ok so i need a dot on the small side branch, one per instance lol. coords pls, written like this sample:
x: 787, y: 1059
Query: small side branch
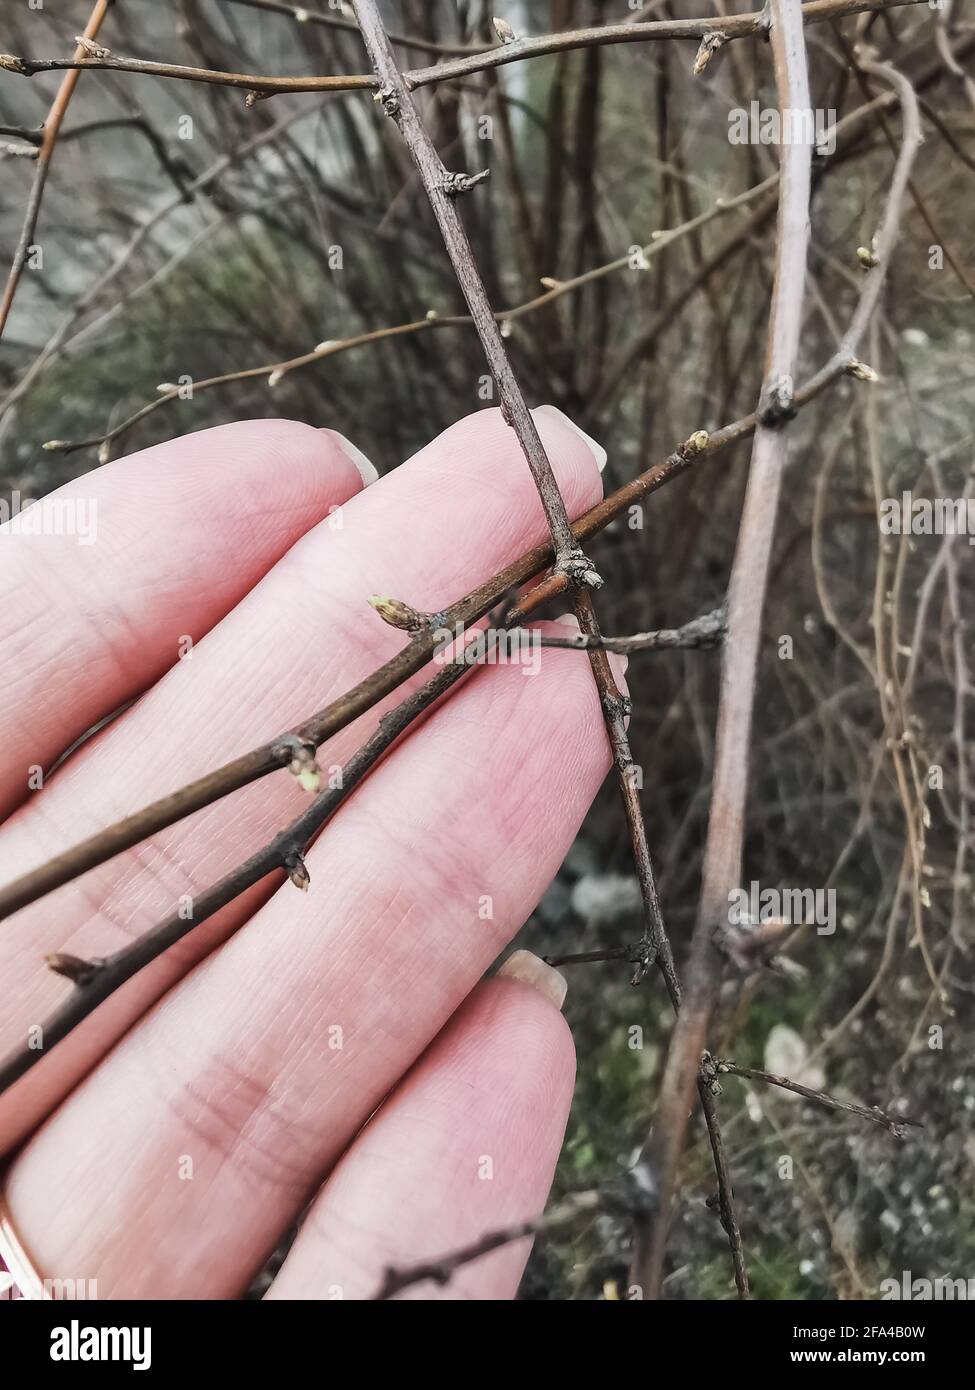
x: 896, y: 1125
x: 45, y: 152
x: 442, y: 1268
x: 703, y: 633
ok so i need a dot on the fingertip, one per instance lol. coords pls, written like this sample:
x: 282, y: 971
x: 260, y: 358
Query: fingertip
x: 531, y: 970
x: 364, y: 466
x: 552, y: 412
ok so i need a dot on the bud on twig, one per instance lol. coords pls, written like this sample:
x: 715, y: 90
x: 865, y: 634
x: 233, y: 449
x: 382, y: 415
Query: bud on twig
x: 297, y: 871
x: 397, y: 614
x: 709, y: 46
x: 305, y: 769
x: 861, y: 371
x: 694, y: 444
x: 94, y: 50
x: 73, y: 968
x: 503, y: 30
x: 455, y: 184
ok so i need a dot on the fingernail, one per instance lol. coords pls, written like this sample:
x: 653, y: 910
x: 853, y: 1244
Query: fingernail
x: 618, y: 663
x: 567, y: 620
x: 367, y: 470
x: 597, y: 450
x: 530, y: 970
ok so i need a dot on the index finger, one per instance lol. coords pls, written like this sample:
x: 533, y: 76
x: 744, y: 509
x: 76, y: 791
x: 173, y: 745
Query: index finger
x: 106, y: 575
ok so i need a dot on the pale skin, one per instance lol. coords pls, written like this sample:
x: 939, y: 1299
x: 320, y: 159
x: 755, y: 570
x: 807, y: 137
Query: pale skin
x: 165, y: 1146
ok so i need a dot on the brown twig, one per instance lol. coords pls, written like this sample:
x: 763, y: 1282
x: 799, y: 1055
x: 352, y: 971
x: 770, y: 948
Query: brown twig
x: 272, y: 756
x: 45, y: 153
x: 731, y: 26
x: 687, y: 1043
x: 893, y: 1124
x: 441, y: 1269
x: 441, y: 189
x: 746, y: 594
x: 96, y: 980
x: 707, y: 631
x: 302, y: 15
x: 276, y: 371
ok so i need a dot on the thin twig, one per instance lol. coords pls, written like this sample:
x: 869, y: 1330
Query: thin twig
x: 704, y: 632
x: 746, y: 595
x: 441, y: 1269
x: 731, y: 26
x: 96, y: 980
x: 301, y: 15
x: 894, y: 1124
x: 272, y: 756
x: 441, y: 189
x: 45, y: 153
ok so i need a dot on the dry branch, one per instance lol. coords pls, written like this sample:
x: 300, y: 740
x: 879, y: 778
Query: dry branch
x: 746, y: 595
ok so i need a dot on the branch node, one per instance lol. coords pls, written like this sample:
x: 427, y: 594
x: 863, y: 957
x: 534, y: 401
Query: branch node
x: 79, y: 972
x: 456, y: 184
x: 578, y: 569
x: 860, y: 371
x: 777, y: 403
x: 643, y: 955
x: 709, y: 46
x: 709, y: 1073
x: 299, y: 756
x: 297, y: 870
x: 387, y: 98
x: 11, y: 64
x: 695, y: 444
x: 399, y: 614
x: 617, y: 706
x: 503, y: 30
x: 93, y: 49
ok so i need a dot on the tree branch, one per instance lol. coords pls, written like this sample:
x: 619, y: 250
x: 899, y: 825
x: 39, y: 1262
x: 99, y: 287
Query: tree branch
x: 570, y: 562
x: 731, y: 26
x: 746, y: 596
x: 893, y: 1124
x: 45, y: 153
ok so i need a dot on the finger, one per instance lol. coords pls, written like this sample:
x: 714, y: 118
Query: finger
x: 104, y: 577
x: 465, y: 1146
x: 428, y: 532
x: 258, y: 1070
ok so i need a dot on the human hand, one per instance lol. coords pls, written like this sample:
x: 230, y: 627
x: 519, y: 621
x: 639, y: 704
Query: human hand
x: 185, y: 1126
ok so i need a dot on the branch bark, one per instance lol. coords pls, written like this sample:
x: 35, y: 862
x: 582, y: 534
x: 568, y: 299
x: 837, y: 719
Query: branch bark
x: 45, y: 153
x: 731, y: 27
x: 746, y: 596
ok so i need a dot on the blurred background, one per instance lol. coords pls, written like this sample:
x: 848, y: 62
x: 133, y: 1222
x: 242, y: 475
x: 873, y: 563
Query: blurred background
x: 186, y: 236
